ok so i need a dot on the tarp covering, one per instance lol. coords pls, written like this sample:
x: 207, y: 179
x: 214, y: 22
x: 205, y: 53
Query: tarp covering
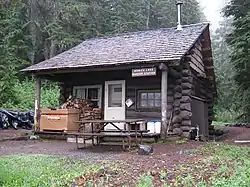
x: 16, y: 119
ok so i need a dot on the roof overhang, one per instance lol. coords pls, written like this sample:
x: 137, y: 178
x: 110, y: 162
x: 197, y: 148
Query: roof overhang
x: 104, y: 67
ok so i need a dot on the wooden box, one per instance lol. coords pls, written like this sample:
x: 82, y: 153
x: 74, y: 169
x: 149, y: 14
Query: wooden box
x: 59, y: 119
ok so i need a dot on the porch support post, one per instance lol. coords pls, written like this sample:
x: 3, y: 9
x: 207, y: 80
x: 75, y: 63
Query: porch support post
x: 37, y: 104
x: 164, y: 100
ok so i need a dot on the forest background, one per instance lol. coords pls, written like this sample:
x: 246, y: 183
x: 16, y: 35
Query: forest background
x: 34, y: 30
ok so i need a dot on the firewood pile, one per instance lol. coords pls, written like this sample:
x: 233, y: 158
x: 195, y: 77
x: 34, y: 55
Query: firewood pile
x: 86, y: 109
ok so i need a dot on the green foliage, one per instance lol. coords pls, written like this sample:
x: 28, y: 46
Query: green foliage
x: 39, y: 171
x: 239, y: 42
x: 145, y: 180
x: 224, y: 165
x: 228, y: 106
x: 32, y: 31
x: 13, y: 48
x: 24, y: 92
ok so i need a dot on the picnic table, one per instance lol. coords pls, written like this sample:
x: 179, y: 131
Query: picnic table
x: 99, y: 131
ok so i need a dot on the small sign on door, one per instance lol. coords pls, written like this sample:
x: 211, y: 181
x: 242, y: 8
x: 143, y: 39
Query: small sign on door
x: 143, y: 72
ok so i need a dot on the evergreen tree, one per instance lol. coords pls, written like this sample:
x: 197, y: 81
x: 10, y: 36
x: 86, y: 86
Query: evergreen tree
x: 239, y: 42
x: 34, y: 30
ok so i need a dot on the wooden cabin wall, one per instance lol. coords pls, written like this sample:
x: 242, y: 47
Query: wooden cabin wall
x: 147, y: 83
x: 133, y: 85
x: 196, y: 58
x: 194, y: 82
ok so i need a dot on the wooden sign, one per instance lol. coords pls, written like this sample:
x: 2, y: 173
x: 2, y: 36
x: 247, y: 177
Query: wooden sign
x: 143, y: 72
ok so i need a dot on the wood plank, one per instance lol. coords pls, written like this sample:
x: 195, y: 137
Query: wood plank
x: 164, y: 102
x: 112, y: 121
x: 196, y: 65
x: 37, y: 104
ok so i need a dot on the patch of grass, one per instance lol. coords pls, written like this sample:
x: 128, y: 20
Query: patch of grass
x: 219, y: 123
x: 181, y: 141
x: 224, y: 165
x: 145, y: 180
x: 40, y: 170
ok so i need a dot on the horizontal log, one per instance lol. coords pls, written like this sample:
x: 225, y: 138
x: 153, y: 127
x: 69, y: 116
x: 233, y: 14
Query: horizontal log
x: 186, y: 99
x: 177, y: 89
x: 186, y: 115
x: 177, y: 103
x: 177, y: 131
x: 186, y: 65
x: 186, y: 123
x: 176, y: 125
x: 186, y: 73
x: 177, y: 95
x: 174, y: 73
x: 185, y: 128
x: 186, y: 92
x: 186, y: 86
x: 185, y: 106
x: 177, y: 111
x: 177, y: 119
x: 187, y: 79
x: 178, y: 81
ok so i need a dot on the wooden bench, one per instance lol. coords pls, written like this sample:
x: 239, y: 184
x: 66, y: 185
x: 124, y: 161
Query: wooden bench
x: 110, y: 133
x: 100, y: 132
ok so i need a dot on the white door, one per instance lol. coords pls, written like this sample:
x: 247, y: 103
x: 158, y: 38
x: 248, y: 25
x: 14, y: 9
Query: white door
x: 114, y: 108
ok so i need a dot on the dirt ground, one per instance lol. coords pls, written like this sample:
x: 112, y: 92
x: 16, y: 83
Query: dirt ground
x: 165, y: 156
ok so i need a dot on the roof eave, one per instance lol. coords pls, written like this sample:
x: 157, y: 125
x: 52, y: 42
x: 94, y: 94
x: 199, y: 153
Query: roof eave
x: 173, y: 60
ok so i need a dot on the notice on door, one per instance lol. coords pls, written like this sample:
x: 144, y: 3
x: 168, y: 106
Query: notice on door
x: 143, y: 72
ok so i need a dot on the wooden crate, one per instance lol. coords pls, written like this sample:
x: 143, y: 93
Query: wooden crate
x: 59, y: 119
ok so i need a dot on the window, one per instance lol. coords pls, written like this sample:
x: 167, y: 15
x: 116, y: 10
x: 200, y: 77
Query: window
x: 115, y: 95
x: 92, y: 93
x: 149, y: 99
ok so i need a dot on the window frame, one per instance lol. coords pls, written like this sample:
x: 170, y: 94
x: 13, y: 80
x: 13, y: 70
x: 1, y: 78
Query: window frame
x: 138, y: 103
x: 99, y: 86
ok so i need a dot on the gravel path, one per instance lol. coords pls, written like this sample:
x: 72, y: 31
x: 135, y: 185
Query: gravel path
x: 59, y: 148
x: 100, y: 153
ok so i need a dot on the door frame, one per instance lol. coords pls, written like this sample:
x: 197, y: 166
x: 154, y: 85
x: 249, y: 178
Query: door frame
x: 123, y: 82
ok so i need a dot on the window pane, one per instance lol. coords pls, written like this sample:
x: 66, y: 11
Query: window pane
x: 93, y: 93
x: 150, y: 95
x: 143, y: 103
x: 149, y: 99
x: 157, y: 103
x: 157, y: 95
x: 115, y: 95
x: 151, y: 103
x: 144, y: 95
x: 80, y: 93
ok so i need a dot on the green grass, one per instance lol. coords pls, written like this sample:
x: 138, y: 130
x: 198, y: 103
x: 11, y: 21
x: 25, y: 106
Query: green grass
x: 40, y: 171
x: 219, y: 123
x: 145, y: 180
x: 224, y: 165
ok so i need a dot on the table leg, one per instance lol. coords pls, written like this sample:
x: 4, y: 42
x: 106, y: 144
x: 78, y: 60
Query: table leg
x: 129, y: 143
x: 77, y: 146
x: 141, y: 138
x: 92, y: 130
x: 123, y: 142
x: 136, y: 140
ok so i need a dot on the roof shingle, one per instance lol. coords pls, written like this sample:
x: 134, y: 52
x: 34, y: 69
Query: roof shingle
x: 143, y: 46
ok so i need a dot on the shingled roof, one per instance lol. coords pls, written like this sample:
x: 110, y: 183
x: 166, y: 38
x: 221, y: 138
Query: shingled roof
x: 144, y: 46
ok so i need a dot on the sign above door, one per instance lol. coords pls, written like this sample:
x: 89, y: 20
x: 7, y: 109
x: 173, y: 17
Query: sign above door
x: 143, y: 72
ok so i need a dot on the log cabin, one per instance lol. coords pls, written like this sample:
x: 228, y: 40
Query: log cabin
x: 165, y: 76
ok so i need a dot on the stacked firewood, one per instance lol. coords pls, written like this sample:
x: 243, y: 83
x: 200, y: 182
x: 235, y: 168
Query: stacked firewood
x: 85, y: 107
